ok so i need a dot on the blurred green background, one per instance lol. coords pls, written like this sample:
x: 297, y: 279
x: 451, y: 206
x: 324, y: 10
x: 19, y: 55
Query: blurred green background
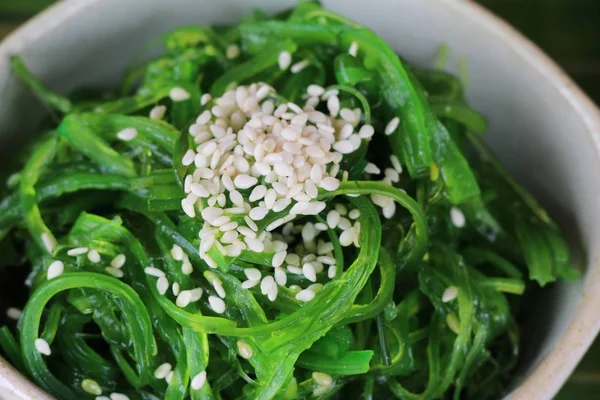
x: 567, y: 30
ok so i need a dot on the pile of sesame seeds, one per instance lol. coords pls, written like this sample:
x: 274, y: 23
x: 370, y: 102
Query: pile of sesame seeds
x: 251, y: 158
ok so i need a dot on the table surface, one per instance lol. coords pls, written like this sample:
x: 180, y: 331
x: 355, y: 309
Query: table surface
x: 567, y: 30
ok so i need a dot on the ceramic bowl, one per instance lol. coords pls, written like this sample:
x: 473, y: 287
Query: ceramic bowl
x: 543, y: 128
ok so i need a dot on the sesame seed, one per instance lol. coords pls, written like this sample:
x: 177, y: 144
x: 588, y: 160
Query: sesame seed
x: 392, y: 126
x: 179, y: 94
x: 389, y: 210
x: 13, y: 313
x: 366, y: 132
x: 280, y: 276
x: 42, y: 347
x: 183, y: 299
x: 266, y: 284
x: 392, y: 175
x: 244, y: 349
x: 55, y: 269
x: 188, y: 157
x: 232, y: 51
x: 152, y: 271
x: 249, y: 284
x: 333, y: 218
x: 175, y: 288
x: 278, y: 258
x: 396, y: 163
x: 169, y: 376
x: 77, y: 251
x: 162, y: 371
x: 299, y: 66
x: 457, y: 217
x: 162, y: 284
x: 348, y: 115
x: 325, y: 247
x: 353, y: 50
x: 244, y: 181
x: 343, y: 146
x: 372, y: 169
x: 252, y: 273
x: 127, y: 134
x: 321, y: 378
x: 196, y: 294
x: 216, y: 304
x: 204, y: 99
x: 177, y: 252
x: 118, y: 261
x: 333, y: 105
x: 308, y: 270
x: 305, y: 295
x: 331, y: 272
x: 330, y: 184
x: 93, y: 256
x: 284, y: 60
x: 354, y: 214
x: 347, y: 237
x: 158, y: 112
x: 258, y: 213
x: 121, y: 396
x: 91, y: 386
x: 48, y: 240
x: 116, y: 272
x: 450, y: 294
x: 199, y: 380
x: 315, y: 90
x: 188, y: 209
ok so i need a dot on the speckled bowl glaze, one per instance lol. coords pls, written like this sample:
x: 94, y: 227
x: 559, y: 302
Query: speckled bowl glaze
x: 544, y: 129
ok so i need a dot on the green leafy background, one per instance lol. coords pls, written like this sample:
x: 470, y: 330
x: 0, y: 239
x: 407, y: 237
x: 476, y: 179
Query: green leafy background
x: 568, y: 30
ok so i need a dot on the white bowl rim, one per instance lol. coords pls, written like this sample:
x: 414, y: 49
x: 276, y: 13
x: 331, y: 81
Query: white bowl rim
x: 551, y: 373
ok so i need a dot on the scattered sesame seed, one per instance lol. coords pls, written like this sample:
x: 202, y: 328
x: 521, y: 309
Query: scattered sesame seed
x: 199, y: 380
x: 392, y: 126
x: 347, y: 237
x: 13, y: 313
x: 177, y: 252
x: 179, y: 94
x: 308, y: 270
x: 162, y: 284
x: 284, y: 60
x: 266, y: 284
x: 450, y: 294
x: 457, y: 217
x: 299, y: 66
x: 320, y: 378
x: 305, y: 295
x: 118, y: 261
x: 175, y: 288
x: 116, y: 272
x: 152, y: 271
x: 77, y: 251
x: 353, y: 50
x: 216, y: 304
x: 162, y: 371
x: 183, y: 299
x: 158, y: 112
x: 121, y: 396
x: 396, y: 163
x: 42, y: 347
x: 93, y: 256
x: 244, y: 349
x: 127, y: 134
x: 389, y: 210
x: 232, y: 51
x: 55, y: 269
x: 169, y: 376
x: 91, y: 386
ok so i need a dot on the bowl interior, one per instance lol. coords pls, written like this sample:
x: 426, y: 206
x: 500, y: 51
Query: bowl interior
x: 536, y: 123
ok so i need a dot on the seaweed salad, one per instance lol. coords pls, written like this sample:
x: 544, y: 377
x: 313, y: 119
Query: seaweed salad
x: 279, y: 209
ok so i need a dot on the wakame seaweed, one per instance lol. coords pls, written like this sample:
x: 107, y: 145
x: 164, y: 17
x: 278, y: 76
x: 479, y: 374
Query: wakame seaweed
x: 280, y: 209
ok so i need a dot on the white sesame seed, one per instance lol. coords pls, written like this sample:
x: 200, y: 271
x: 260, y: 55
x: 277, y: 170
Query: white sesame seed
x: 347, y: 237
x: 199, y: 380
x: 305, y: 295
x: 366, y: 132
x: 175, y: 288
x: 344, y: 146
x: 152, y: 271
x: 353, y: 50
x: 457, y: 217
x: 249, y: 284
x: 244, y: 349
x: 280, y: 276
x: 55, y: 269
x: 278, y: 258
x: 93, y: 256
x: 196, y: 294
x: 219, y: 289
x: 244, y: 181
x: 188, y: 157
x: 252, y: 273
x: 372, y: 169
x: 251, y: 224
x: 258, y: 213
x: 389, y: 210
x: 188, y: 209
x: 330, y: 184
x: 348, y: 115
x: 333, y: 105
x: 179, y: 94
x: 187, y: 268
x: 205, y: 98
x: 13, y: 313
x: 299, y: 66
x: 116, y: 272
x: 450, y: 294
x: 183, y: 299
x: 392, y: 175
x: 216, y: 304
x: 266, y: 284
x: 102, y: 398
x: 308, y: 270
x: 333, y: 218
x: 48, y: 240
x: 127, y: 134
x: 118, y: 261
x: 325, y: 248
x: 121, y: 396
x: 396, y: 163
x: 281, y: 204
x: 284, y: 60
x: 77, y: 251
x: 392, y: 126
x: 158, y: 112
x: 320, y: 378
x: 177, y: 252
x: 162, y: 284
x: 169, y: 376
x: 331, y: 271
x: 162, y: 371
x: 232, y: 51
x: 315, y: 90
x: 42, y: 347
